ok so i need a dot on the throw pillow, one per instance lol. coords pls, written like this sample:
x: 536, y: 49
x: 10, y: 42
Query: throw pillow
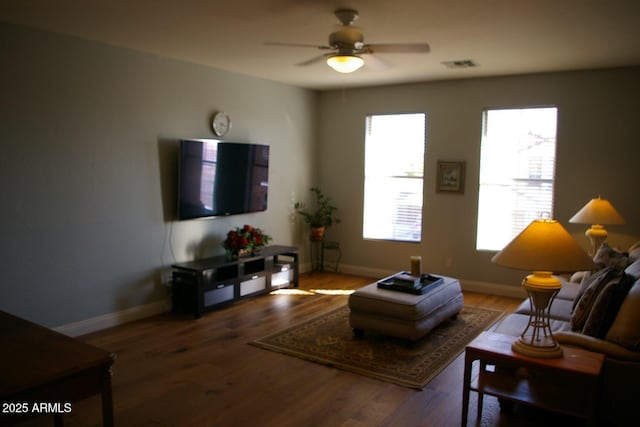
x: 606, y: 306
x: 634, y: 269
x: 587, y: 281
x: 606, y: 256
x: 634, y: 251
x: 625, y: 330
x: 579, y: 276
x: 583, y: 306
x: 584, y: 283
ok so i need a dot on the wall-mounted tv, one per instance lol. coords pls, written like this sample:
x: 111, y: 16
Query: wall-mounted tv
x: 221, y: 178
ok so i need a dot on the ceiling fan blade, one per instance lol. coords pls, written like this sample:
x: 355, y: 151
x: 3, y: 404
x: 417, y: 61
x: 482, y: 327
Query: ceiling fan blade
x: 312, y: 60
x: 375, y: 62
x: 398, y: 48
x: 296, y: 45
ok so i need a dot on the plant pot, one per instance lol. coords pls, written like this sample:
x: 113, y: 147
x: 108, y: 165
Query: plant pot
x: 232, y: 254
x: 317, y: 234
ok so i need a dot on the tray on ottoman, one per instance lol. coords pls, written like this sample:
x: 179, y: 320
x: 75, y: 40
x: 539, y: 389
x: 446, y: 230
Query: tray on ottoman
x: 427, y: 283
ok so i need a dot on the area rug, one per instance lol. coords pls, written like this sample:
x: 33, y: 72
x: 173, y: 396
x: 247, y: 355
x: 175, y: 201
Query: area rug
x: 328, y: 340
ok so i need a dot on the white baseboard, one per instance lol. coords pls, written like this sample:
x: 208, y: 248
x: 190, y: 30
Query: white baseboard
x: 109, y: 320
x: 467, y: 285
x: 493, y: 289
x: 365, y: 271
x: 304, y: 267
x: 114, y: 319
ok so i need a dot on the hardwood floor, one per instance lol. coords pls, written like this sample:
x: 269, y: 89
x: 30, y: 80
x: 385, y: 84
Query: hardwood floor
x: 173, y: 370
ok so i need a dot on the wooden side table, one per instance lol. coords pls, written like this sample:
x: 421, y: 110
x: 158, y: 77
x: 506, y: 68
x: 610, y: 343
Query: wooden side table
x: 44, y: 372
x: 567, y: 385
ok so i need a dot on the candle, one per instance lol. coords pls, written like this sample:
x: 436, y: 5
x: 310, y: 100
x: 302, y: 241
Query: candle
x: 416, y: 267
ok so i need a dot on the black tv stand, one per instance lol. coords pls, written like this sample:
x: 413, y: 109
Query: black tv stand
x: 204, y: 285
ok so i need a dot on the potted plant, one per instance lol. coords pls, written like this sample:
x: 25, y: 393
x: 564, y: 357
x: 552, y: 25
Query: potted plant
x: 323, y: 216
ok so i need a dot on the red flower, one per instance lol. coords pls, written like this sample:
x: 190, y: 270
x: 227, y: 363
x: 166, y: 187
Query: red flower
x: 247, y: 237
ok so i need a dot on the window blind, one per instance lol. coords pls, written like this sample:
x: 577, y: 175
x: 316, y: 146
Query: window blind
x: 517, y: 172
x: 394, y: 170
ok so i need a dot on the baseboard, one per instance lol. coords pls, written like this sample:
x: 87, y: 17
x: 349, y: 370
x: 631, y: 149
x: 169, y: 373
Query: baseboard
x: 304, y: 267
x: 109, y: 320
x: 493, y: 289
x: 140, y: 312
x: 114, y: 319
x: 467, y: 285
x: 357, y: 270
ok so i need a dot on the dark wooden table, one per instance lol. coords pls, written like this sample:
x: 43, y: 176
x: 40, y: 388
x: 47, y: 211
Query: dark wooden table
x: 567, y: 384
x: 44, y: 372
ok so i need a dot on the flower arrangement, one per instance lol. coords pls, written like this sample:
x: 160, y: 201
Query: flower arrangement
x: 246, y: 239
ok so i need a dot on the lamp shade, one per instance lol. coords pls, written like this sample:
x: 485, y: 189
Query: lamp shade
x: 545, y: 245
x: 345, y: 63
x: 597, y: 211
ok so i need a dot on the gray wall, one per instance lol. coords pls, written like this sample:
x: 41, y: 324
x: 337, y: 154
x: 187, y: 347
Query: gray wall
x: 89, y: 138
x: 598, y: 152
x: 88, y: 164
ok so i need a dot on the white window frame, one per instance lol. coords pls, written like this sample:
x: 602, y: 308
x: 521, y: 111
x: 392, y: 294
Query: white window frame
x: 517, y: 172
x: 394, y: 176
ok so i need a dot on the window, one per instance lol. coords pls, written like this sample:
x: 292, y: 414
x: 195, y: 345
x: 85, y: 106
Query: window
x: 517, y: 169
x: 394, y: 170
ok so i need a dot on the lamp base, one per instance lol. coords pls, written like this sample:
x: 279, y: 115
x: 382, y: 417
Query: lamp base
x: 596, y: 235
x: 522, y: 347
x: 537, y: 338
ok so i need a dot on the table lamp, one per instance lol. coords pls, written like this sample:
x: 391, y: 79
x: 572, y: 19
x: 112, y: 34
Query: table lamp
x: 544, y: 247
x: 597, y: 212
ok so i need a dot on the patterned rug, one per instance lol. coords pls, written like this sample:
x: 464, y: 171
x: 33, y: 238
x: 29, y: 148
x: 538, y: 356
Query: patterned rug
x: 328, y: 340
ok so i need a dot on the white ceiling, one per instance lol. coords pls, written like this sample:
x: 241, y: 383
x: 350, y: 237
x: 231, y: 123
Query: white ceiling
x: 502, y: 36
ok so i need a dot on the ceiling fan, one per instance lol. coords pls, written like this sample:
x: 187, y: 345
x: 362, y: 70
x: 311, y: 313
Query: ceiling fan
x: 347, y: 46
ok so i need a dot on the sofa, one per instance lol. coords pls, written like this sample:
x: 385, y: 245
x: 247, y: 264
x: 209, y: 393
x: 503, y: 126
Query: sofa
x: 600, y: 311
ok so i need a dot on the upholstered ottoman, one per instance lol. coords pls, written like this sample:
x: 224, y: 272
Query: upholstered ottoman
x: 401, y: 314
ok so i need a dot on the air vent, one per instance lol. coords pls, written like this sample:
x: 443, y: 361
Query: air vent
x: 461, y: 63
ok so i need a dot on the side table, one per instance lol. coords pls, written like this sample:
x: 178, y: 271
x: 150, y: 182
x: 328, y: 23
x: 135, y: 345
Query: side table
x: 567, y: 385
x: 39, y: 367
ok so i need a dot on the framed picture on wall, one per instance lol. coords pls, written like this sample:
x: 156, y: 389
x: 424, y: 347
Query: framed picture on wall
x: 450, y: 177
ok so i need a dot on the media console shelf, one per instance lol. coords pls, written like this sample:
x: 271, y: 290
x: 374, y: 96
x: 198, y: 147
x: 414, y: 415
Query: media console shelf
x: 203, y: 285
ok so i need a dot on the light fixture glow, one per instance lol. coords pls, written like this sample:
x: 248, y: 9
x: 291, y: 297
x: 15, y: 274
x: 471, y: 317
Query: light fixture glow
x: 345, y: 63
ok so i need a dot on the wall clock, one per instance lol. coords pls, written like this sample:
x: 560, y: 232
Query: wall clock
x: 221, y: 123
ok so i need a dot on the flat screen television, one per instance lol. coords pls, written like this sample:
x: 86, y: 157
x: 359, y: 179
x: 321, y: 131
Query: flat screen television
x: 221, y: 178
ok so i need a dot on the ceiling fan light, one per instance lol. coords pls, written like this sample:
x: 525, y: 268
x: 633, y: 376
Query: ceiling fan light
x: 345, y: 63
